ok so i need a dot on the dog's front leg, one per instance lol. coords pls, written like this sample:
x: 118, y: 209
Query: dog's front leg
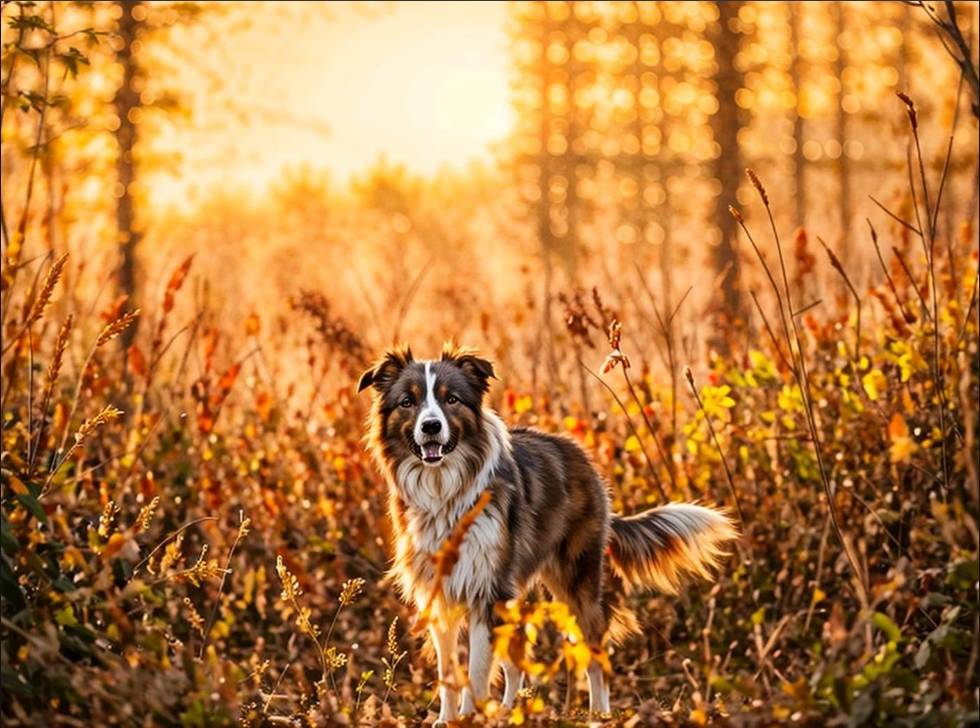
x: 444, y: 641
x: 481, y: 658
x: 514, y: 680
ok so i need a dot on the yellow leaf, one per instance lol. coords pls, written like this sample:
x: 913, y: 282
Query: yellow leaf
x: 632, y: 444
x: 874, y: 382
x: 531, y: 632
x: 902, y: 444
x: 523, y: 404
x: 577, y: 657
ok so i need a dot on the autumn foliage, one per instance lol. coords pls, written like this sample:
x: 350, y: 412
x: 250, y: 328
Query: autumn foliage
x: 193, y: 533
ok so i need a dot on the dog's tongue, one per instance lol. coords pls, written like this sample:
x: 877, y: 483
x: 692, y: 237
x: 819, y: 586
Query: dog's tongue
x: 432, y: 451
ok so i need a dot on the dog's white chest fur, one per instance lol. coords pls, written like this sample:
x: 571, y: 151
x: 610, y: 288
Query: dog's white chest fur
x: 435, y: 501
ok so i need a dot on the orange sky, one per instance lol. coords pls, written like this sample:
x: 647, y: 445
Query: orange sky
x: 335, y: 87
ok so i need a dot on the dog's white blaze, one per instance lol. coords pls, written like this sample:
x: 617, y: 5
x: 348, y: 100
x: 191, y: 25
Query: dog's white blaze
x: 431, y: 411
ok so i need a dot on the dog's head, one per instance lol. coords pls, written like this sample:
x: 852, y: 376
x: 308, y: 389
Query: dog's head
x: 423, y: 409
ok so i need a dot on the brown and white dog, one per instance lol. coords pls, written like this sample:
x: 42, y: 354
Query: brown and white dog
x: 547, y: 521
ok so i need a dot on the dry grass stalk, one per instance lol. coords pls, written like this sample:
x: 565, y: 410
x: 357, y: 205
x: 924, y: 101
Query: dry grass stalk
x: 47, y: 288
x: 803, y: 382
x: 633, y: 430
x: 908, y: 316
x: 89, y: 426
x: 839, y: 267
x: 40, y: 302
x: 54, y: 369
x: 721, y: 453
x: 929, y: 246
x: 146, y: 514
x: 116, y: 327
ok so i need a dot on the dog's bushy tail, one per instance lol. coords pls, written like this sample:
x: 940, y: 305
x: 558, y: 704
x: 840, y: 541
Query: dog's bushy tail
x: 657, y: 547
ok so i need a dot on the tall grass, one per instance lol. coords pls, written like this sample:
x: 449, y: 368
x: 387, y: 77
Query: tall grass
x: 181, y: 518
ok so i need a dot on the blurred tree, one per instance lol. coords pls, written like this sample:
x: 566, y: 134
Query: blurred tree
x: 842, y: 166
x: 799, y: 163
x: 127, y: 104
x: 728, y: 166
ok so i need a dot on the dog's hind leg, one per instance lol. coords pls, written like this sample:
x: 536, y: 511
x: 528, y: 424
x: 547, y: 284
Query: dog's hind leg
x: 577, y: 580
x: 481, y: 659
x: 513, y: 682
x: 444, y: 640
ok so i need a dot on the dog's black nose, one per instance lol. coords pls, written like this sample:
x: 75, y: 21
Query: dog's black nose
x: 431, y: 427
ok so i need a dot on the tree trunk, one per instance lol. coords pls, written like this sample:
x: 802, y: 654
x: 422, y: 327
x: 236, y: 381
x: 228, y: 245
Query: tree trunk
x: 126, y: 100
x: 799, y: 163
x: 728, y: 166
x: 840, y: 131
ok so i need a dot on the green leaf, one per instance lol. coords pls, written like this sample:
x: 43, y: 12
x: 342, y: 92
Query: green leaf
x: 13, y: 597
x: 8, y: 541
x: 66, y: 617
x: 886, y: 625
x: 33, y: 505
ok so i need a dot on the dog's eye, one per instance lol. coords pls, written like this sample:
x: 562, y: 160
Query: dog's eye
x: 407, y: 402
x: 452, y: 399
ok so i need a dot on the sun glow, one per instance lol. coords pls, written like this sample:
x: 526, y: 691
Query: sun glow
x: 423, y: 84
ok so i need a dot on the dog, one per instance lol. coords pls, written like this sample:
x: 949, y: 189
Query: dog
x: 548, y: 521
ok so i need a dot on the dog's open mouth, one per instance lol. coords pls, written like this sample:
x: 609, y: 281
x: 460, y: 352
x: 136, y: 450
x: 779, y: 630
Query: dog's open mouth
x: 432, y: 452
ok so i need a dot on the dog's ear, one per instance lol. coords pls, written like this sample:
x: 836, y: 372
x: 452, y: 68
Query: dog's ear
x: 386, y: 369
x: 475, y: 366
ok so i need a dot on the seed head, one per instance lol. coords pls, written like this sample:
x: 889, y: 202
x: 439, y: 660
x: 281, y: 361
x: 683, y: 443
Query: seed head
x: 106, y: 519
x: 290, y: 586
x: 47, y: 288
x: 146, y: 514
x: 350, y: 591
x: 114, y: 328
x: 754, y: 178
x: 910, y: 109
x: 54, y: 368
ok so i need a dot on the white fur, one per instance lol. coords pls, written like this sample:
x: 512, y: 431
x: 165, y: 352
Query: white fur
x: 514, y: 680
x: 431, y: 411
x: 435, y: 499
x: 481, y: 662
x: 690, y: 520
x: 444, y: 641
x: 598, y: 693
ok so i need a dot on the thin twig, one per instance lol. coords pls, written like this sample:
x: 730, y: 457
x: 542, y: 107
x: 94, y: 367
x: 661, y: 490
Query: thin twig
x: 895, y: 217
x: 721, y: 452
x: 839, y: 267
x: 242, y: 532
x: 909, y: 318
x: 629, y: 423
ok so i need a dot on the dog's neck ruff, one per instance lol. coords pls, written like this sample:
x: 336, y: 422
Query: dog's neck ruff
x: 448, y: 491
x: 435, y: 499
